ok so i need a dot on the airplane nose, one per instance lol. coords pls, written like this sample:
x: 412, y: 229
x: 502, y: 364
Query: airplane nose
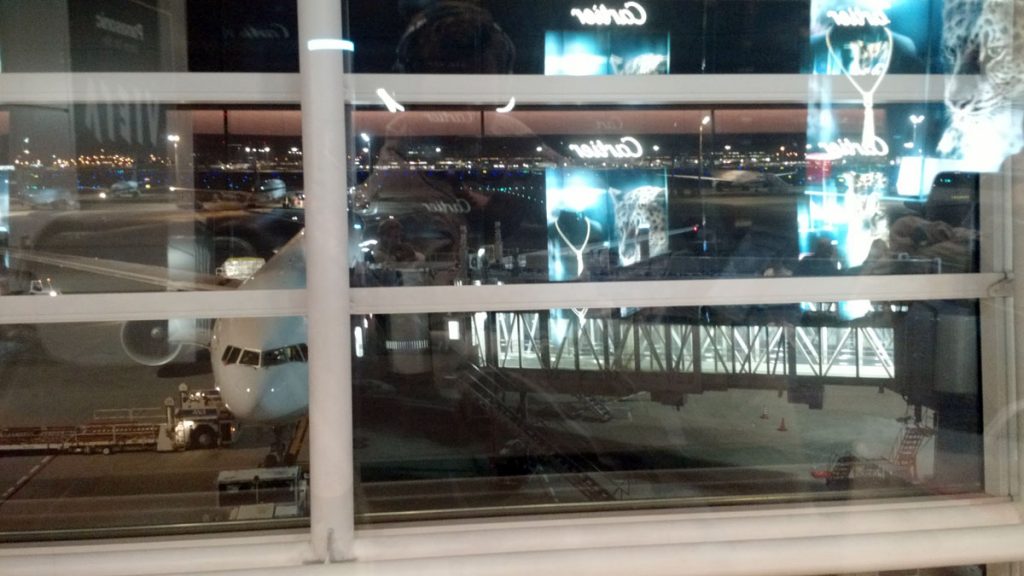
x: 242, y: 389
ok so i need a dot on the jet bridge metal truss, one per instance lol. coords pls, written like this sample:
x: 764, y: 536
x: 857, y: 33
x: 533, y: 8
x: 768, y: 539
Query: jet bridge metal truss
x: 646, y: 352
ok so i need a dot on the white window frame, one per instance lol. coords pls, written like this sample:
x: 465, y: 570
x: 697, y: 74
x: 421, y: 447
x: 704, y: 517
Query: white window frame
x: 785, y: 540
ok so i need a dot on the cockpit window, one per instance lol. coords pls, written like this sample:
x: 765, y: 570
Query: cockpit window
x: 283, y: 355
x: 231, y: 354
x: 250, y: 358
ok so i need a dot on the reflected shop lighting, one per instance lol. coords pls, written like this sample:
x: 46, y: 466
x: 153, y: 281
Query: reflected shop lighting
x: 507, y: 107
x: 389, y: 101
x: 330, y: 44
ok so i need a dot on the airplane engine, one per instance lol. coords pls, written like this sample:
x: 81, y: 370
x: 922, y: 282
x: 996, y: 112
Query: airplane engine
x: 151, y: 342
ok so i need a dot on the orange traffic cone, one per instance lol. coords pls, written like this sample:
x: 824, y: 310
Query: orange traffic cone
x: 782, y: 426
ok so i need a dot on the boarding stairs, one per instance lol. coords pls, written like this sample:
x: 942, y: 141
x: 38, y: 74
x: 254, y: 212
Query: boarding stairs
x: 904, y: 454
x: 576, y: 471
x: 596, y: 407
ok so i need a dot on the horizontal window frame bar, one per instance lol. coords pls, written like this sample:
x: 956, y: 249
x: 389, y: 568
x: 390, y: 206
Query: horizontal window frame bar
x: 152, y: 556
x: 672, y: 293
x: 505, y: 298
x: 151, y: 306
x: 242, y: 88
x: 56, y: 88
x: 709, y: 89
x: 435, y: 540
x: 783, y: 541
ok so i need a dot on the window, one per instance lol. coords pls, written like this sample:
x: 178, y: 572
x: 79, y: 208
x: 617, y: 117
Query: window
x: 231, y: 355
x: 730, y: 281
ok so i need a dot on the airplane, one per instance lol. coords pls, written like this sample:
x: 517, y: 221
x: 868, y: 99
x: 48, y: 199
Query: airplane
x: 260, y: 364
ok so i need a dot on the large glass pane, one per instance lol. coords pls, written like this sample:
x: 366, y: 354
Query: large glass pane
x: 567, y: 37
x: 242, y: 35
x: 556, y: 410
x: 148, y: 36
x: 95, y: 36
x: 152, y: 426
x: 141, y: 196
x: 450, y: 195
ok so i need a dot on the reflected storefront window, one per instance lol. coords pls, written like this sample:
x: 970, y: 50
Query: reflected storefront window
x: 149, y: 36
x: 644, y: 37
x: 137, y: 195
x: 95, y: 36
x: 626, y: 408
x: 110, y: 428
x: 538, y: 195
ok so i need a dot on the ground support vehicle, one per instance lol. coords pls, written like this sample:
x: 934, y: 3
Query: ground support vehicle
x: 198, y: 419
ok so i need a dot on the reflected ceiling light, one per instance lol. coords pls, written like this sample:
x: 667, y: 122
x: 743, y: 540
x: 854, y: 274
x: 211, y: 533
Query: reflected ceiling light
x: 705, y: 120
x: 916, y: 119
x: 173, y: 138
x: 365, y: 137
x: 507, y: 107
x: 389, y: 101
x: 330, y: 44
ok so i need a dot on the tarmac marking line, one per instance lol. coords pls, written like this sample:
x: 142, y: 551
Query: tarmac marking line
x: 25, y: 479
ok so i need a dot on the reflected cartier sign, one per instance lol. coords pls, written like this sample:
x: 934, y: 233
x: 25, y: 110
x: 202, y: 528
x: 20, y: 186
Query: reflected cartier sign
x: 844, y: 147
x: 858, y: 17
x: 631, y: 14
x: 628, y: 147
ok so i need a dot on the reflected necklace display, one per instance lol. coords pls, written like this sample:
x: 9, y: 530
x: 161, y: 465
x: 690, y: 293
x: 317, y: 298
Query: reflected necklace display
x: 577, y: 251
x: 868, y: 59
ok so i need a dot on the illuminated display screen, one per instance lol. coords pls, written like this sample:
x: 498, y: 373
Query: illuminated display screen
x: 604, y: 52
x: 870, y: 168
x: 5, y: 209
x: 592, y: 214
x: 843, y: 31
